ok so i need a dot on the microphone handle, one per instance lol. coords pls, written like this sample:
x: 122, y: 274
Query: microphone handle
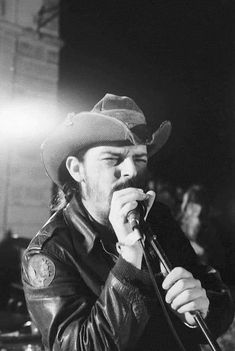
x: 134, y: 216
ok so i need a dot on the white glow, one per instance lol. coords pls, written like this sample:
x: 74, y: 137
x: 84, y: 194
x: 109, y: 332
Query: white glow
x: 24, y: 119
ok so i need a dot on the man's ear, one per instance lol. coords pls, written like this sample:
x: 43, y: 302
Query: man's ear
x: 75, y: 169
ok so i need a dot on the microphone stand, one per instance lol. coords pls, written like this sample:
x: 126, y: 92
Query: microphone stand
x: 168, y: 266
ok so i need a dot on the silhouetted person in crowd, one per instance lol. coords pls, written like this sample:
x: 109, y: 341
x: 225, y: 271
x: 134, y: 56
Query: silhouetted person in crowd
x: 200, y: 228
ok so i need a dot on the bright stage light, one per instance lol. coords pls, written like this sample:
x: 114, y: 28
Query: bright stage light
x: 26, y: 120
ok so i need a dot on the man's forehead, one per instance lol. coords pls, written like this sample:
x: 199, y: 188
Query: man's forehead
x: 117, y: 149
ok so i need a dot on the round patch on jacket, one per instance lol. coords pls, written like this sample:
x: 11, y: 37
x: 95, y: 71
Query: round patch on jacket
x: 41, y: 271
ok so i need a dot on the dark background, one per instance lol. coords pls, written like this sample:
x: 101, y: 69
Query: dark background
x: 176, y: 59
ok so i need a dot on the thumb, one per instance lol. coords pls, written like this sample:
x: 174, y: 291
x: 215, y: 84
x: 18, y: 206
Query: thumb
x: 149, y: 202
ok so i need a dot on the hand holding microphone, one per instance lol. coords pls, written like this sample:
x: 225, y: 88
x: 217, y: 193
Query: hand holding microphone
x: 124, y: 209
x: 124, y: 216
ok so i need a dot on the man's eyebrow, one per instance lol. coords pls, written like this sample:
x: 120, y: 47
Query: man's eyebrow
x: 112, y: 153
x: 119, y: 153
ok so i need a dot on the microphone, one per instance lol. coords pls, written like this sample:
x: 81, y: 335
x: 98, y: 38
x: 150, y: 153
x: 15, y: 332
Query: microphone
x: 136, y: 215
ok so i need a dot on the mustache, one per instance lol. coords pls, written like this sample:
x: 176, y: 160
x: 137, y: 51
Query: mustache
x: 130, y: 183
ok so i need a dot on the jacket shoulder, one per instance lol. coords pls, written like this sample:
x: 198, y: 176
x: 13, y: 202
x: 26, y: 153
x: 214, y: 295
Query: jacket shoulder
x: 55, y: 224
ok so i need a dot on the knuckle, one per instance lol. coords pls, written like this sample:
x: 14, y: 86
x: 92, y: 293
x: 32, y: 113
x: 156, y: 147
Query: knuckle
x: 187, y: 294
x: 133, y: 204
x: 180, y: 270
x: 182, y: 284
x: 190, y: 274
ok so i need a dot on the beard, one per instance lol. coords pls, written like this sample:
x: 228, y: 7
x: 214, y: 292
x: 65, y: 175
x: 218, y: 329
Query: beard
x: 100, y: 196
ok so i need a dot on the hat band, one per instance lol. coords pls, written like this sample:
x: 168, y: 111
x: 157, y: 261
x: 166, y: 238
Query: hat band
x: 142, y: 132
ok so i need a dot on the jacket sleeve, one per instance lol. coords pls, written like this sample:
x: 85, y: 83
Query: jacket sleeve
x: 180, y: 253
x: 70, y: 317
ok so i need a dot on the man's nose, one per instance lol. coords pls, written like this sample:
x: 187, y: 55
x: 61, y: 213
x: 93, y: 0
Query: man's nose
x: 128, y: 168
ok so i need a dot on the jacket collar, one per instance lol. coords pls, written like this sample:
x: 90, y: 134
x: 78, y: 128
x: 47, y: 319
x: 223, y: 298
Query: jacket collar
x: 80, y: 223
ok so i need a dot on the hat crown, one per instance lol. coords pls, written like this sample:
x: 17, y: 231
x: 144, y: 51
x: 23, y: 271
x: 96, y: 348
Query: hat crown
x: 122, y: 108
x: 113, y: 102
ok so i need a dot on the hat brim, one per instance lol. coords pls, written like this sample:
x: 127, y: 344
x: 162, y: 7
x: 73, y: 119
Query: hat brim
x: 159, y: 138
x: 89, y: 129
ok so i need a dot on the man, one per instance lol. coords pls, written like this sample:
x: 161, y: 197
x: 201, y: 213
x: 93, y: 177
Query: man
x: 85, y: 280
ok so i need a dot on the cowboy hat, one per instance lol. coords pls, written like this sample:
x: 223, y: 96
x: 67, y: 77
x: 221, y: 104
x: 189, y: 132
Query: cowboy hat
x: 113, y: 119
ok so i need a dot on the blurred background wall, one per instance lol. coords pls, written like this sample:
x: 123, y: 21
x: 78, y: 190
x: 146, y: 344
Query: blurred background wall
x: 29, y: 56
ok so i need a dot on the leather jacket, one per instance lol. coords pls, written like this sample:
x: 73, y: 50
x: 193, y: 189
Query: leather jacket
x: 83, y: 296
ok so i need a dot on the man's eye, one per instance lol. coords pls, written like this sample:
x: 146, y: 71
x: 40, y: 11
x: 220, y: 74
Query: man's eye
x: 111, y: 160
x: 141, y: 160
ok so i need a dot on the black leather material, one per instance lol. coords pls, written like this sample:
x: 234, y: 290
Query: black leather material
x: 98, y: 301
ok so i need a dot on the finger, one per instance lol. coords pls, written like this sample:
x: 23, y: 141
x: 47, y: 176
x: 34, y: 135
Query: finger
x: 180, y: 286
x: 127, y: 195
x: 123, y: 192
x: 127, y: 208
x: 186, y: 297
x: 121, y: 197
x: 175, y: 275
x: 200, y: 305
x: 163, y: 270
x: 149, y: 201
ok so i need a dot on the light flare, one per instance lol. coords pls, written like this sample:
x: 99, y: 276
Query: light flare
x: 26, y: 120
